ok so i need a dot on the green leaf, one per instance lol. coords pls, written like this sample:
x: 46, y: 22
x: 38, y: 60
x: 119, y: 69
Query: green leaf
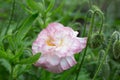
x: 58, y: 9
x: 6, y: 64
x: 26, y: 27
x: 30, y: 60
x: 51, y: 5
x: 3, y: 55
x: 67, y: 73
x: 12, y: 42
x: 18, y: 55
x: 2, y: 33
x: 34, y: 5
x: 20, y: 69
x: 10, y: 54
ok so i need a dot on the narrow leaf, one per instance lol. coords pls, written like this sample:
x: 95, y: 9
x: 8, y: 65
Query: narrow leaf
x: 51, y: 5
x: 34, y: 5
x: 6, y: 64
x: 18, y: 55
x: 30, y: 60
x: 58, y: 8
x: 3, y: 54
x: 20, y: 69
x: 26, y: 27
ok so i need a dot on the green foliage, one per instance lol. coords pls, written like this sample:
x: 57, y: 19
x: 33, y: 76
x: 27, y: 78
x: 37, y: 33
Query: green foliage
x: 51, y: 5
x: 3, y: 54
x: 35, y: 6
x: 6, y: 64
x: 116, y: 49
x: 31, y: 59
x: 20, y: 69
x: 25, y: 27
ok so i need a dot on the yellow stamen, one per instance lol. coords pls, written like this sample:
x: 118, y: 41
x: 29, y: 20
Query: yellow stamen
x: 50, y: 42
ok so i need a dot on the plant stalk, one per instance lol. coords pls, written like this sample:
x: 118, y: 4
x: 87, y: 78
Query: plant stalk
x: 104, y: 57
x: 84, y: 54
x: 11, y: 16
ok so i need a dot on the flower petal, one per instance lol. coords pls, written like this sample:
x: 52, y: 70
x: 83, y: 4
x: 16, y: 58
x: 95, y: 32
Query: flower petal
x: 47, y: 61
x: 67, y: 62
x: 78, y: 45
x: 71, y: 61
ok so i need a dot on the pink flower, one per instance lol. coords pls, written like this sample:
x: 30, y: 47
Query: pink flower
x: 57, y: 45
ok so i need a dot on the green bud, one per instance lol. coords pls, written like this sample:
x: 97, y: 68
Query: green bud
x: 105, y: 69
x: 96, y: 40
x: 116, y: 49
x: 101, y: 54
x: 115, y: 36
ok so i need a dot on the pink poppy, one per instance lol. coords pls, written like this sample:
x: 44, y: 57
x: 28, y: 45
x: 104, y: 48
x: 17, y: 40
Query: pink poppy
x: 57, y: 45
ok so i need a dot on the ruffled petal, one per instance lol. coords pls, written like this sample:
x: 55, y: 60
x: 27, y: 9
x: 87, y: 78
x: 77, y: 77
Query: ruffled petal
x: 67, y: 62
x: 47, y: 61
x: 71, y: 61
x: 78, y: 45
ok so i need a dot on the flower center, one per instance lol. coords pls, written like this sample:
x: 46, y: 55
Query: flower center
x: 52, y: 42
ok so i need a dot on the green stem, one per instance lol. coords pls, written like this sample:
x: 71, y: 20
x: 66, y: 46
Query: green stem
x: 11, y: 16
x: 90, y: 3
x: 84, y: 54
x: 11, y: 74
x: 102, y: 20
x: 104, y: 57
x: 89, y: 35
x: 86, y: 19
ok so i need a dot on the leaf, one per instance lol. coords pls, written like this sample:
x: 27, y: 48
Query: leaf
x: 30, y: 60
x: 34, y: 5
x: 25, y: 27
x: 12, y: 42
x: 18, y: 55
x: 3, y: 55
x: 20, y: 69
x: 51, y: 5
x: 2, y: 33
x: 67, y: 73
x: 6, y: 64
x: 58, y: 8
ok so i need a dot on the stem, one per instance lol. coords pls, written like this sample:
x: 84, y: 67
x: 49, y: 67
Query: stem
x: 102, y: 19
x: 86, y: 19
x: 90, y: 3
x: 84, y: 54
x: 11, y: 74
x: 43, y: 1
x: 104, y: 57
x: 44, y: 15
x: 11, y: 16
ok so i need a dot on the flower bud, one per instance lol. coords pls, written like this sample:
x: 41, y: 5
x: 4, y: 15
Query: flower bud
x: 115, y: 36
x: 97, y: 40
x: 101, y: 54
x: 116, y: 49
x: 105, y: 69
